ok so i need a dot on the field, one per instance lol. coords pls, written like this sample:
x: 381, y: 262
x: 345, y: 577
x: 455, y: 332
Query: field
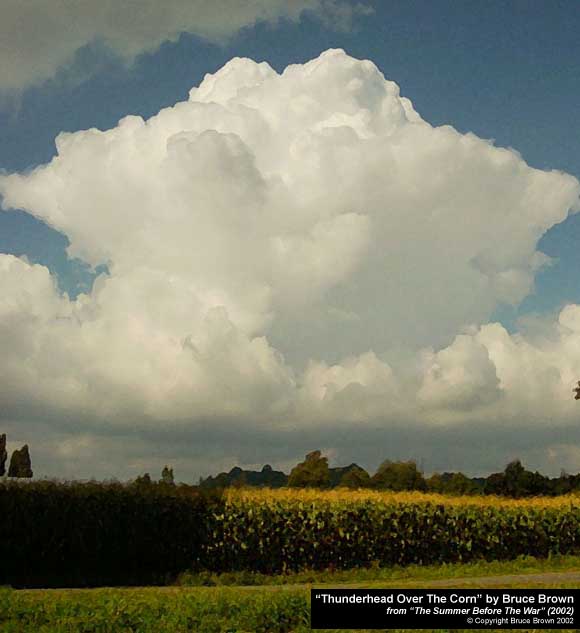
x: 266, y: 549
x: 342, y: 496
x: 271, y: 609
x: 277, y: 531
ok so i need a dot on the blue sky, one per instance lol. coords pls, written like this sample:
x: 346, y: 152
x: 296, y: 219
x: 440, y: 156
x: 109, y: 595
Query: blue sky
x: 504, y: 71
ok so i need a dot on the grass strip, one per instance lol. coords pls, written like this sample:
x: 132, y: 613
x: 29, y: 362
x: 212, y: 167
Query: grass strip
x: 166, y: 609
x: 520, y: 565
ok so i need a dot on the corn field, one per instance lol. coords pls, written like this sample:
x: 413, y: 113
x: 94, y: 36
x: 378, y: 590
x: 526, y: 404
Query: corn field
x: 274, y: 531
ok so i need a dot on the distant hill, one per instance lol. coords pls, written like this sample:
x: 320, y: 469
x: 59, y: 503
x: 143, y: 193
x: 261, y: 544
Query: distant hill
x: 267, y: 477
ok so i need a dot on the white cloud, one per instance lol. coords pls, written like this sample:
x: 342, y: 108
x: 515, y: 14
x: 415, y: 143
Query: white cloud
x: 39, y: 36
x: 273, y: 222
x: 460, y: 376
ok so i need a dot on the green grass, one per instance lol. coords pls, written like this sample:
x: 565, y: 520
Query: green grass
x: 203, y: 610
x: 521, y: 565
x: 158, y: 610
x: 269, y: 609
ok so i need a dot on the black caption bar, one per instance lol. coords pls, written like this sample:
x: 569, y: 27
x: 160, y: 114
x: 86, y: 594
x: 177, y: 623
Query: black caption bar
x: 444, y: 608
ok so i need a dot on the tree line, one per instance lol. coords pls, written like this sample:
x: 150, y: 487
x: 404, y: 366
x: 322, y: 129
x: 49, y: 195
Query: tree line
x: 20, y: 463
x: 514, y: 481
x: 314, y: 472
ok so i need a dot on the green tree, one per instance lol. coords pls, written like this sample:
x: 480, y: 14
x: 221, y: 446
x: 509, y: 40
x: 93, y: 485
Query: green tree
x: 20, y: 465
x: 459, y: 484
x: 3, y: 454
x: 516, y: 481
x: 398, y: 476
x: 356, y: 477
x: 513, y: 478
x: 452, y: 483
x: 143, y: 480
x: 495, y: 484
x: 311, y: 473
x: 167, y: 476
x: 436, y: 483
x: 520, y: 482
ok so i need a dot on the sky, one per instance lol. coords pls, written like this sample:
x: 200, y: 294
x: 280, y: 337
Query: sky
x: 232, y: 233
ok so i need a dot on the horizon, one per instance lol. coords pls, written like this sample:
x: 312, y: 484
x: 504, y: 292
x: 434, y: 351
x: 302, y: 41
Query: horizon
x: 255, y: 468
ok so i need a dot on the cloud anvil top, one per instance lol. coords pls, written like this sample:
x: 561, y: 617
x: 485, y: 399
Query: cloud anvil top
x: 265, y: 226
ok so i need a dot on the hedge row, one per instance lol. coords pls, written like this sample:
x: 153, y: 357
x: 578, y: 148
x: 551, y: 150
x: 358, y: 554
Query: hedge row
x: 79, y: 535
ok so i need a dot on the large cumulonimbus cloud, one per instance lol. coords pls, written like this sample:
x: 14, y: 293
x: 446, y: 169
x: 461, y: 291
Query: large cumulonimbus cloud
x: 267, y: 228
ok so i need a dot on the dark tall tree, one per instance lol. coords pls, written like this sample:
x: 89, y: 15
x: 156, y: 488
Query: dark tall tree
x: 577, y: 390
x: 516, y: 481
x: 167, y: 475
x: 3, y: 454
x: 311, y: 473
x: 20, y: 465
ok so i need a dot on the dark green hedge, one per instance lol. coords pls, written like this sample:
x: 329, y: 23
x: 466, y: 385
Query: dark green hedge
x: 82, y: 535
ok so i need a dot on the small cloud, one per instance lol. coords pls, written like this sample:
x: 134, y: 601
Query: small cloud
x: 39, y: 39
